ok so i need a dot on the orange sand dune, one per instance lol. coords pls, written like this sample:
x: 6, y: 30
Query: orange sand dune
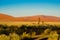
x: 4, y: 17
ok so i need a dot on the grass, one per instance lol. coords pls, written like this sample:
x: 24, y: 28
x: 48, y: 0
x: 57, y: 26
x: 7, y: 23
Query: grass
x: 29, y: 23
x: 30, y: 32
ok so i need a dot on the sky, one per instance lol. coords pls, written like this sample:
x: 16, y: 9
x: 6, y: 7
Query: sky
x: 30, y: 7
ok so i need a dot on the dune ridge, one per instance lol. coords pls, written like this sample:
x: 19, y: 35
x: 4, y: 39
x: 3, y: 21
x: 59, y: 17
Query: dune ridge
x: 5, y: 17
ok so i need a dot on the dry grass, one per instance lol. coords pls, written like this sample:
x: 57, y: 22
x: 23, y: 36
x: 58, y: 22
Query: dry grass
x: 52, y: 35
x: 29, y: 23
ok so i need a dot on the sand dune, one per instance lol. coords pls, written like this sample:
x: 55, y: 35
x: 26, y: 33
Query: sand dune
x: 4, y: 17
x: 7, y: 19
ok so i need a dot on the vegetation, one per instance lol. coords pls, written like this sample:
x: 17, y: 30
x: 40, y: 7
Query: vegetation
x: 7, y: 30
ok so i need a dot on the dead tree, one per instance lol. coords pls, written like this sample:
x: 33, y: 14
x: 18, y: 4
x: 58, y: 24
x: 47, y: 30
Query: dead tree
x: 38, y: 20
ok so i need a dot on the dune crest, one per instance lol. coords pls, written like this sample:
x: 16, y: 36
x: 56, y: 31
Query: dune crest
x: 4, y: 17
